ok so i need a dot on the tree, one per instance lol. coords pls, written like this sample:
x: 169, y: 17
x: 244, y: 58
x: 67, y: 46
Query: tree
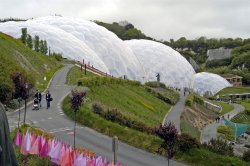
x: 169, y: 134
x: 24, y: 35
x: 37, y: 43
x: 41, y: 46
x: 22, y: 87
x: 29, y: 42
x: 246, y: 155
x: 76, y: 101
x: 45, y: 47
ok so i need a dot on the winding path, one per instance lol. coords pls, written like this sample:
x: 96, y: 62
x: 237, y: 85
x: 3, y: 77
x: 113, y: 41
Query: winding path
x: 174, y: 115
x: 53, y: 120
x: 210, y: 131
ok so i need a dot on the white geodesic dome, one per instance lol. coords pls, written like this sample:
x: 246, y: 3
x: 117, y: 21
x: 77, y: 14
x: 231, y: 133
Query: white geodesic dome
x: 58, y: 40
x: 209, y: 83
x: 116, y: 55
x: 155, y: 57
x: 79, y: 39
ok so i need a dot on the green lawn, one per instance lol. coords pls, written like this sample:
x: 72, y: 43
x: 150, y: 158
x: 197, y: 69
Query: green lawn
x: 230, y: 90
x: 132, y: 101
x: 75, y: 73
x: 204, y: 157
x: 133, y: 137
x: 225, y: 107
x: 188, y: 128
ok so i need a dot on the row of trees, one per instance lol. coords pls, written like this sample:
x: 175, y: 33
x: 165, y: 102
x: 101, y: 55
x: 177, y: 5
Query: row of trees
x: 36, y: 44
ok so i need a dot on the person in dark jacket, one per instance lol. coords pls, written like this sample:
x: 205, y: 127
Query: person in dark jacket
x: 38, y: 96
x: 48, y: 99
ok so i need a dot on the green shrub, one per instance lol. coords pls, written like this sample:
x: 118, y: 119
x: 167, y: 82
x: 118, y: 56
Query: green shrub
x: 112, y: 114
x: 224, y: 130
x: 170, y: 96
x: 189, y: 100
x: 247, y: 111
x: 155, y: 84
x: 186, y: 142
x: 13, y: 104
x: 97, y: 108
x: 246, y: 155
x: 97, y: 81
x: 219, y: 146
x: 198, y: 100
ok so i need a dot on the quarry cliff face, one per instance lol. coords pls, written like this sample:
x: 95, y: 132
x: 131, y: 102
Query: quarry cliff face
x: 219, y: 53
x: 7, y: 154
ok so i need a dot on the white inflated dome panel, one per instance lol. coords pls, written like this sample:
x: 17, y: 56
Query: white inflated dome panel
x: 58, y: 40
x: 174, y: 69
x: 116, y: 55
x: 209, y: 82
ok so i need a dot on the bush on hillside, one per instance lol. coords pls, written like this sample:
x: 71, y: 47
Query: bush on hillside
x: 114, y: 115
x: 219, y: 146
x: 170, y: 97
x: 247, y: 111
x: 246, y: 155
x: 186, y: 142
x: 189, y: 100
x: 6, y: 90
x: 155, y: 84
x: 198, y: 100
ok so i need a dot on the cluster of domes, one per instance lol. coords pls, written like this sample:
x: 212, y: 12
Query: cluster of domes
x: 137, y: 59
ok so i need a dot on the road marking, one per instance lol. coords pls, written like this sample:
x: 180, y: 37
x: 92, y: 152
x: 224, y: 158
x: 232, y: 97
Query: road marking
x: 59, y: 130
x: 62, y: 114
x: 70, y: 133
x: 50, y: 118
x: 34, y: 122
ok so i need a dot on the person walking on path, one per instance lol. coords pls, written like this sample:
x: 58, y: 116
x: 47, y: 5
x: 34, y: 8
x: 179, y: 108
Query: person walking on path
x: 48, y: 99
x: 38, y: 96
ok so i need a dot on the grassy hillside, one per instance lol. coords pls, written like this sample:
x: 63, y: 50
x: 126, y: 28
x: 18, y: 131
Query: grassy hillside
x: 16, y: 57
x: 233, y: 90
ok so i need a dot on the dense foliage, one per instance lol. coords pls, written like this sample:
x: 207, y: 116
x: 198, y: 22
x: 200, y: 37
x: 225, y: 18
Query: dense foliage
x: 219, y: 146
x: 125, y: 32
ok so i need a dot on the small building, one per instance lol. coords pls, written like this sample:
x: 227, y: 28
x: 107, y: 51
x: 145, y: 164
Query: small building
x: 233, y: 79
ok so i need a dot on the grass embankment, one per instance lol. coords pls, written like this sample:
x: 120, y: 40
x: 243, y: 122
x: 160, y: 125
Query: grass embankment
x: 225, y: 107
x: 204, y: 157
x: 188, y: 128
x: 233, y: 90
x: 243, y: 117
x: 75, y: 73
x: 16, y: 57
x: 132, y: 101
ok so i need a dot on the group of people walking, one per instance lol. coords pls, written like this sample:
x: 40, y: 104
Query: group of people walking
x: 38, y: 100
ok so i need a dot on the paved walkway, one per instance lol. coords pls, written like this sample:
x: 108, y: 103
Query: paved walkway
x: 54, y: 121
x: 210, y: 131
x: 174, y: 114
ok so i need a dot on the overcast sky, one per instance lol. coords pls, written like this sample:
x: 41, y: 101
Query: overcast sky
x: 160, y: 19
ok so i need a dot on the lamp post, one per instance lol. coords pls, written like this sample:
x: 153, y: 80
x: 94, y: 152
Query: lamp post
x: 25, y: 102
x: 19, y: 112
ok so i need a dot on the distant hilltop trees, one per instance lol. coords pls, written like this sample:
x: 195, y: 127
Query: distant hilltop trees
x: 12, y: 19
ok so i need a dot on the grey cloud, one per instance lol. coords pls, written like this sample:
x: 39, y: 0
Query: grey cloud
x: 161, y: 19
